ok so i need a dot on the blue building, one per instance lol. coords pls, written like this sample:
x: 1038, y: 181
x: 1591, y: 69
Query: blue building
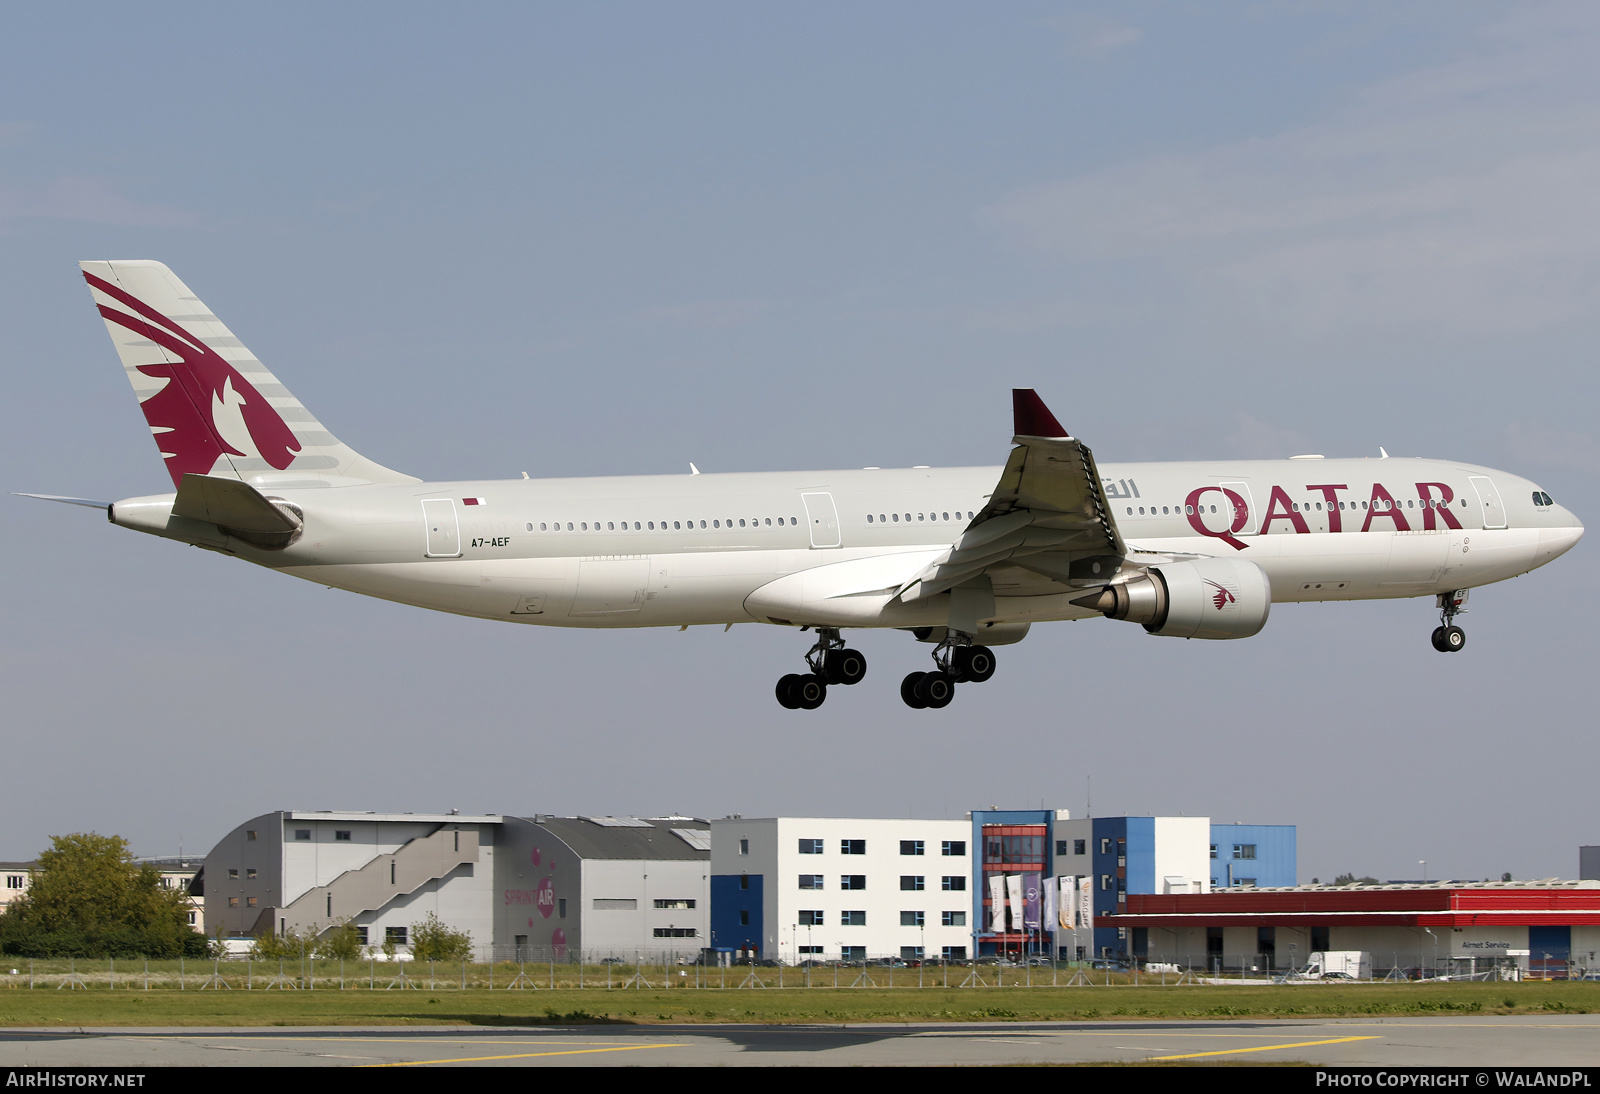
x: 1262, y: 855
x: 1116, y: 856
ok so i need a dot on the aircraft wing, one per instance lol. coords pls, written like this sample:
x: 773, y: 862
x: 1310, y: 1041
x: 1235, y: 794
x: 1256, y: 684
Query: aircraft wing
x: 1048, y: 515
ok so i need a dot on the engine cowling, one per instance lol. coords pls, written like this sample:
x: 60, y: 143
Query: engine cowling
x: 1213, y: 598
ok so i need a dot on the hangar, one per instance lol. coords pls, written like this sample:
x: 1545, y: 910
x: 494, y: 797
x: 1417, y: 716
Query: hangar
x: 1547, y: 929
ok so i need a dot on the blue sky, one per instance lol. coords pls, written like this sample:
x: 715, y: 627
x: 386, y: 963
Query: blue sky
x: 580, y: 239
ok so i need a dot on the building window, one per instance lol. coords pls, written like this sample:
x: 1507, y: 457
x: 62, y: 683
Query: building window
x: 15, y: 881
x: 1105, y: 882
x: 396, y: 935
x: 852, y: 881
x: 561, y: 908
x: 615, y: 904
x: 1213, y: 850
x: 744, y: 918
x: 1078, y: 846
x: 191, y: 919
x: 361, y: 935
x: 953, y: 953
x: 952, y: 919
x: 817, y: 950
x: 810, y: 917
x: 911, y: 847
x: 249, y: 902
x: 1061, y: 847
x: 1241, y: 881
x: 1244, y: 850
x: 250, y: 834
x: 852, y: 847
x: 744, y: 847
x: 233, y: 873
x: 744, y: 881
x: 953, y: 883
x: 853, y: 919
x: 811, y: 881
x: 341, y: 835
x: 675, y: 932
x: 912, y: 883
x: 233, y: 902
x: 1105, y: 845
x: 302, y: 833
x: 676, y: 905
x: 852, y: 953
x: 911, y: 919
x: 811, y: 847
x: 250, y: 871
x: 953, y: 847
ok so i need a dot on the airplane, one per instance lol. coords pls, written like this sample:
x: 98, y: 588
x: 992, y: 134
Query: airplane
x: 963, y: 558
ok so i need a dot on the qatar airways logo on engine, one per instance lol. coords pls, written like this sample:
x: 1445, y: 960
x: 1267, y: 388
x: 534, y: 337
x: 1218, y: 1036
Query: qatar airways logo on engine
x: 1232, y: 511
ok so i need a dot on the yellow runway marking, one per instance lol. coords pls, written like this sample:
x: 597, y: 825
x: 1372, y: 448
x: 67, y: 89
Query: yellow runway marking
x: 525, y: 1055
x: 1263, y: 1048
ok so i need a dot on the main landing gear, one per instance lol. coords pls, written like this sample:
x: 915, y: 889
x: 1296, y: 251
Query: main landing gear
x: 831, y: 662
x: 959, y: 662
x: 1447, y: 637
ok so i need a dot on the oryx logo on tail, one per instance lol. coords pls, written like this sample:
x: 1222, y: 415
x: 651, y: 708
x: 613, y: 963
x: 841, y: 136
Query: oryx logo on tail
x: 207, y: 409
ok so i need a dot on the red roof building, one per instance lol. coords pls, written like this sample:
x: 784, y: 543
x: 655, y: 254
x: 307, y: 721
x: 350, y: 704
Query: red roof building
x: 1543, y: 927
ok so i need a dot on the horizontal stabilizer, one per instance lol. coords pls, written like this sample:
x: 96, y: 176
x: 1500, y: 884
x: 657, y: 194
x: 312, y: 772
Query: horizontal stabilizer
x: 230, y: 503
x: 69, y: 501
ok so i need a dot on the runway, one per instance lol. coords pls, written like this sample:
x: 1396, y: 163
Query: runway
x: 1554, y: 1041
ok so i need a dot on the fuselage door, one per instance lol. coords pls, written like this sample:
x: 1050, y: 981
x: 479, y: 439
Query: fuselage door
x: 822, y: 518
x: 444, y: 533
x: 1494, y: 513
x: 1240, y: 492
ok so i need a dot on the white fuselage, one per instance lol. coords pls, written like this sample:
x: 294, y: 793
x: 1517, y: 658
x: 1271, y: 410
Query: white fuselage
x: 833, y: 547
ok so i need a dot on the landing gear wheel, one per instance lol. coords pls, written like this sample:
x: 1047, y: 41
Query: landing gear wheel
x: 972, y: 664
x: 785, y: 691
x: 1438, y: 640
x: 936, y: 689
x: 845, y: 666
x: 908, y: 691
x: 810, y: 692
x: 1454, y: 639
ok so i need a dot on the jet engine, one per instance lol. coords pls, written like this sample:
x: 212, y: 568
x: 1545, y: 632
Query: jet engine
x: 1207, y: 598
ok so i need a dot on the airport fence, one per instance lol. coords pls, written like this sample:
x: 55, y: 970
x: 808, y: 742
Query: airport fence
x: 530, y: 969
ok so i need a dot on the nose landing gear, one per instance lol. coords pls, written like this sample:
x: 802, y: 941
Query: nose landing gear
x: 1447, y: 637
x: 831, y: 662
x: 959, y: 662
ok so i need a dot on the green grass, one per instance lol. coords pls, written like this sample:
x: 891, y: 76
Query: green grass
x: 127, y: 1004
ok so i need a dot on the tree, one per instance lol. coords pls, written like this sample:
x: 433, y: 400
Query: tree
x: 90, y: 899
x: 432, y: 940
x: 1351, y: 879
x: 340, y: 942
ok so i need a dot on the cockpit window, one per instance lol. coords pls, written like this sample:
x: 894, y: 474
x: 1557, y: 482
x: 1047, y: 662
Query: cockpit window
x: 1541, y: 498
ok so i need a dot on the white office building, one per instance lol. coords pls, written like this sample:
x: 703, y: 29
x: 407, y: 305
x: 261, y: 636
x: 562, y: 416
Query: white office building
x: 793, y: 888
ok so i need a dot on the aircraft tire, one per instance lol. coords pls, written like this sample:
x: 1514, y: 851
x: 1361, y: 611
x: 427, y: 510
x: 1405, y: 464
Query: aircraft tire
x: 810, y: 692
x: 845, y: 666
x: 1438, y: 640
x: 937, y: 688
x: 785, y: 691
x: 908, y: 691
x: 979, y: 664
x: 1454, y: 639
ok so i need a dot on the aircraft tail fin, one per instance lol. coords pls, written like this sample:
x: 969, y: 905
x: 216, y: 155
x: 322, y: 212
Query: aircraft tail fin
x: 213, y: 408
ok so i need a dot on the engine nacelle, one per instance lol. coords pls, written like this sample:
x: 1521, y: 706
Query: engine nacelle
x: 1207, y: 598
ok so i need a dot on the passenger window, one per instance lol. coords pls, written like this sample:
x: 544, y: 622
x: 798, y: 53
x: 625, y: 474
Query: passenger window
x: 946, y: 516
x: 897, y: 518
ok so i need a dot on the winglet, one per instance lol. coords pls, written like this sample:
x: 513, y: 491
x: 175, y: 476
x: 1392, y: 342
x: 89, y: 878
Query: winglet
x: 1032, y: 418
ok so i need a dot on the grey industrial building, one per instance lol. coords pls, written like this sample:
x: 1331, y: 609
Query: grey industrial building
x: 532, y: 887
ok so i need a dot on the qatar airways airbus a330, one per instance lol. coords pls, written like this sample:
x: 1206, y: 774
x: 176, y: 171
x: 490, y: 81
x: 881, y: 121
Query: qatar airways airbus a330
x: 963, y: 558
